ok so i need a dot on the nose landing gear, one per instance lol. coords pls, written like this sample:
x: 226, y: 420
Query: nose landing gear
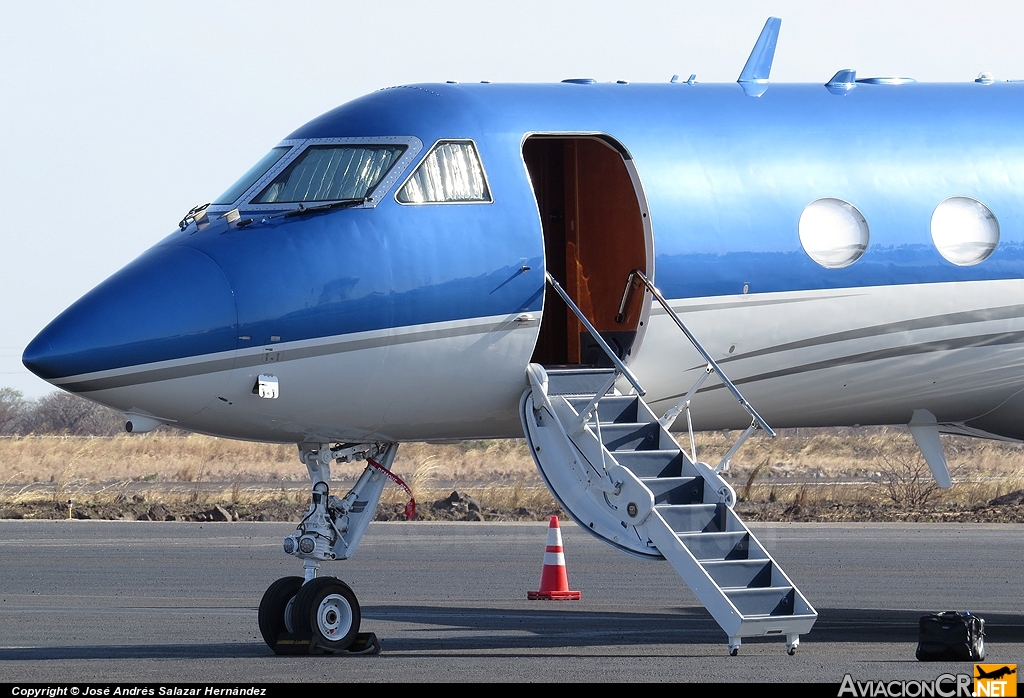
x: 320, y: 615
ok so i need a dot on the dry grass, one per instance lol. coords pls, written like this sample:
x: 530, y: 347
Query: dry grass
x: 802, y: 466
x: 879, y: 492
x: 853, y: 452
x: 161, y: 457
x: 868, y: 467
x: 153, y: 457
x: 198, y: 470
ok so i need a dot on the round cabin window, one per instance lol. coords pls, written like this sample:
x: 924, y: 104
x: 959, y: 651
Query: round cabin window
x: 964, y: 230
x: 833, y: 233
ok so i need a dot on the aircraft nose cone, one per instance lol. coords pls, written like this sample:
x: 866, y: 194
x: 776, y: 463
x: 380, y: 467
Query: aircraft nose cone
x: 171, y: 302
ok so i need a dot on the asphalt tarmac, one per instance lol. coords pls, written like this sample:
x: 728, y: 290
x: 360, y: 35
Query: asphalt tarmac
x: 176, y: 602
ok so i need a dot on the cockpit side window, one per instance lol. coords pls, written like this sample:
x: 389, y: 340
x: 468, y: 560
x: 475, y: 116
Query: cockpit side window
x: 332, y: 173
x: 450, y: 173
x: 250, y: 177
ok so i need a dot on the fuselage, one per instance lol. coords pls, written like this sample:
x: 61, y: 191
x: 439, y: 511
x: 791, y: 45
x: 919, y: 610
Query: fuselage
x: 402, y: 320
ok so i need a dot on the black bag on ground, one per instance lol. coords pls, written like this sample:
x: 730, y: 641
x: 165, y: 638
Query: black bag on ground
x: 951, y: 635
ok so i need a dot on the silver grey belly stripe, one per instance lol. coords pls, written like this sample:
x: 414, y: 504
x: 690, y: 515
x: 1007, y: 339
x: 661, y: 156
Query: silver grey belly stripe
x: 680, y: 306
x: 200, y: 367
x: 987, y: 340
x: 1007, y: 312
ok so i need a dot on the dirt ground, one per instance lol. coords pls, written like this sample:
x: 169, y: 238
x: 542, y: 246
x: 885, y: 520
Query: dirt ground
x: 285, y: 510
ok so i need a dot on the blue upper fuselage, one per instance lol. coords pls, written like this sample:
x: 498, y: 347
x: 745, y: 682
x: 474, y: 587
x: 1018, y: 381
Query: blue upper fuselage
x: 726, y: 177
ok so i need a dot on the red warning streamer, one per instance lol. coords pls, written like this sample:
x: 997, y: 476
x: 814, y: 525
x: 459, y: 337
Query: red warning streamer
x: 410, y: 507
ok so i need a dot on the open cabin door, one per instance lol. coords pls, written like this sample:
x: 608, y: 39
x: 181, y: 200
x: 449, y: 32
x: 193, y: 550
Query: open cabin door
x: 596, y: 231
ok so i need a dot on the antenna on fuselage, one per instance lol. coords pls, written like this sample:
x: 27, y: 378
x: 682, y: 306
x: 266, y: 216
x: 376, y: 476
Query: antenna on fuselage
x: 754, y: 77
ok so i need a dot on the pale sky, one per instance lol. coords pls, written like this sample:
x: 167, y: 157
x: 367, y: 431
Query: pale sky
x: 117, y: 117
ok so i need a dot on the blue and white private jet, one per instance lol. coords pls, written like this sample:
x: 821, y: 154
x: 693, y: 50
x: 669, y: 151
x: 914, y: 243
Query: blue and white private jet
x: 589, y: 265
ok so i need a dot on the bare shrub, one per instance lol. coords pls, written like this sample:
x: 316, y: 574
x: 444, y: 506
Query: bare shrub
x: 800, y: 498
x: 12, y: 410
x: 63, y: 484
x: 419, y: 481
x: 907, y: 479
x: 753, y: 476
x: 236, y: 490
x: 197, y: 495
x: 70, y: 415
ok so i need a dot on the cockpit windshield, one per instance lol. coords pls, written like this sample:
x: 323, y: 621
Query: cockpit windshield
x: 331, y: 173
x: 250, y: 177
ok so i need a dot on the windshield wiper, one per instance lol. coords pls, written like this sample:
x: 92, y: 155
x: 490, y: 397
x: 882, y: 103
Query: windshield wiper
x: 305, y: 210
x: 194, y: 215
x: 344, y: 203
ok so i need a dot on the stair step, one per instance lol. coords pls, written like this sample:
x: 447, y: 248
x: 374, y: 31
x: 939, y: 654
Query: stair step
x: 694, y: 518
x: 635, y: 436
x: 739, y: 574
x: 731, y: 545
x: 767, y: 601
x: 676, y: 490
x: 654, y: 463
x: 612, y: 408
x: 585, y: 381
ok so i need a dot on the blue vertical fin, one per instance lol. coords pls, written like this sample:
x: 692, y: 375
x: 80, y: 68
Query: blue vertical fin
x: 754, y: 77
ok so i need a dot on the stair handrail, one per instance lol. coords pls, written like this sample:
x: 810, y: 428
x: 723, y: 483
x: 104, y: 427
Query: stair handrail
x: 619, y: 366
x: 712, y: 364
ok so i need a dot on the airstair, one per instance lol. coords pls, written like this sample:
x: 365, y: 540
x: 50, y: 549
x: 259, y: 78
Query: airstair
x: 618, y: 472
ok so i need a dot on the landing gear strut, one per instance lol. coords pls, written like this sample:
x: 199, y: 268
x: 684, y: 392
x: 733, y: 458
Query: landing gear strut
x: 320, y: 615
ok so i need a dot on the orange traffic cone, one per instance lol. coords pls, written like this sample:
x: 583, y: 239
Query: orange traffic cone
x: 554, y: 584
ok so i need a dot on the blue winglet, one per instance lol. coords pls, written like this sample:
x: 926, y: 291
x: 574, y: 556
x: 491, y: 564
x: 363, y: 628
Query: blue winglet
x: 842, y: 82
x: 754, y: 77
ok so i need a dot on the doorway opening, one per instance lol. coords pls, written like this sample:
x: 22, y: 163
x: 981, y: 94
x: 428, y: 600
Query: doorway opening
x: 595, y: 234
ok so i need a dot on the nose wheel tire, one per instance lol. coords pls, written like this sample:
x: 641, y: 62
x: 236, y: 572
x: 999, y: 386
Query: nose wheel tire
x: 327, y: 608
x: 274, y: 607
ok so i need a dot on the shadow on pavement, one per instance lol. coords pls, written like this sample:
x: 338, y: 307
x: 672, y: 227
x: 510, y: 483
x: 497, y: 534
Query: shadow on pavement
x: 547, y: 626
